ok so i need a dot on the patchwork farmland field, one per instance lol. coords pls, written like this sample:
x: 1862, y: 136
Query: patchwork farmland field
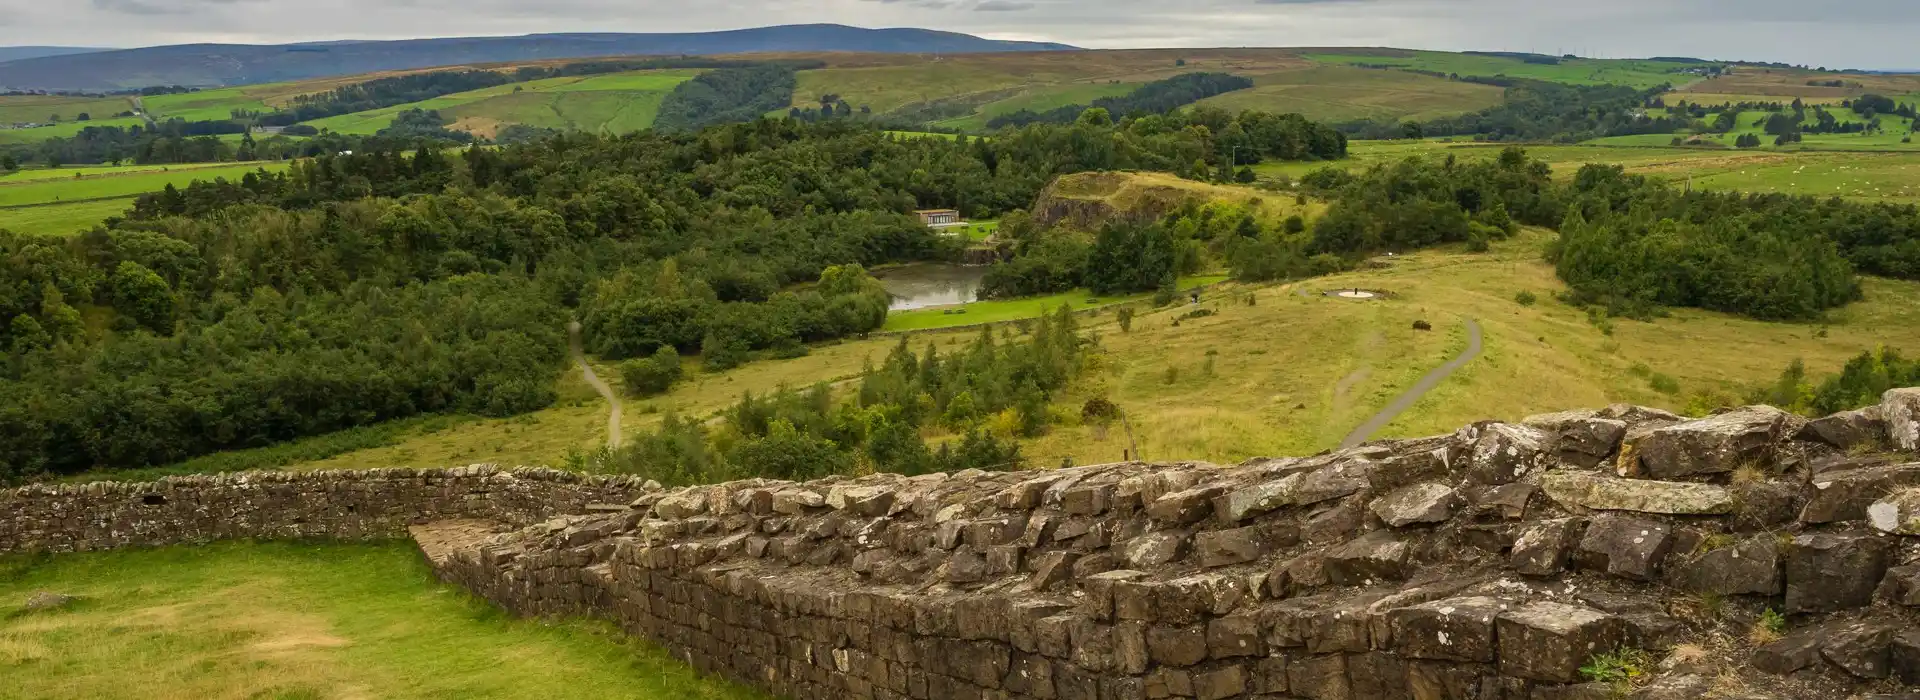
x: 605, y: 103
x: 1342, y: 93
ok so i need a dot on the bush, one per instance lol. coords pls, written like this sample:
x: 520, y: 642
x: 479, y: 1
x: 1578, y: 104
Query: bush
x: 1526, y: 298
x: 654, y: 375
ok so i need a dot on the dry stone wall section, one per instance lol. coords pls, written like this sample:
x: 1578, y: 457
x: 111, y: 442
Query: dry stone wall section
x: 1501, y: 562
x: 1622, y: 552
x: 352, y: 505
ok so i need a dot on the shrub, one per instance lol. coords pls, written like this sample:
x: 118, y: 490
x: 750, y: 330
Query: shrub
x: 1526, y: 298
x: 652, y: 376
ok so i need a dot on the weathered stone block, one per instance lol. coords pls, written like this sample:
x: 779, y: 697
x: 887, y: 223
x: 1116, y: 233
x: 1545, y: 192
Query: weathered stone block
x: 1862, y: 649
x: 1229, y: 547
x: 1455, y: 629
x: 1177, y: 646
x: 1543, y: 548
x: 1235, y: 636
x: 1830, y: 573
x: 1320, y: 677
x: 1749, y: 567
x: 1154, y: 549
x: 1901, y: 407
x: 1550, y: 641
x: 1637, y: 495
x: 1625, y: 546
x: 1220, y: 683
x: 1715, y: 445
x: 1898, y: 514
x: 1417, y: 504
x: 1848, y: 495
x: 1503, y: 453
x: 1377, y: 556
x: 1848, y: 429
x: 1901, y: 586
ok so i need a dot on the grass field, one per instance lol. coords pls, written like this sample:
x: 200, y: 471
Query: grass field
x: 16, y: 109
x: 122, y: 184
x: 61, y: 130
x: 1039, y: 99
x: 1788, y: 83
x: 1339, y: 93
x: 613, y: 103
x: 1892, y: 177
x: 210, y: 105
x: 1582, y: 71
x: 301, y: 621
x: 62, y: 219
x: 1016, y: 309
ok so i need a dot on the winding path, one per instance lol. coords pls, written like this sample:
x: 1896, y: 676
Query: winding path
x: 1426, y: 384
x: 606, y: 392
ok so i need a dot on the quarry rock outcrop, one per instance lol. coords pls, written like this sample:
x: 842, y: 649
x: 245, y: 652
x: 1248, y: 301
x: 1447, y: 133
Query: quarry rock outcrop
x: 1500, y: 562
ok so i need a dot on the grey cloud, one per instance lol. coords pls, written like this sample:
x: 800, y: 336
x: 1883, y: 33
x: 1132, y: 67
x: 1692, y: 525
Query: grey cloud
x: 1869, y: 34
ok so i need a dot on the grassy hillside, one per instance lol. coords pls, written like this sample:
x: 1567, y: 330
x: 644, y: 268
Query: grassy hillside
x: 116, y: 182
x: 1576, y: 71
x: 69, y: 200
x: 209, y: 105
x: 1787, y: 83
x: 1891, y: 177
x: 61, y: 130
x: 1340, y: 93
x: 306, y: 621
x: 15, y: 109
x: 615, y: 103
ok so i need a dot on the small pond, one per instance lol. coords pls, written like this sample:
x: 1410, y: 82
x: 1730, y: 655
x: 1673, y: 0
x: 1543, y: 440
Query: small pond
x: 927, y: 285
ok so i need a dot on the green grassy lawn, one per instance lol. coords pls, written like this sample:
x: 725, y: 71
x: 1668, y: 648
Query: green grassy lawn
x: 15, y: 109
x: 69, y: 189
x: 62, y: 219
x: 614, y: 103
x: 1583, y: 71
x: 1040, y: 99
x: 303, y: 621
x: 61, y: 130
x: 978, y: 231
x: 1016, y: 309
x: 208, y: 105
x: 1339, y: 93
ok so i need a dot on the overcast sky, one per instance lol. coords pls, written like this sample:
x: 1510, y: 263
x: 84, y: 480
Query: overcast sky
x: 1856, y: 34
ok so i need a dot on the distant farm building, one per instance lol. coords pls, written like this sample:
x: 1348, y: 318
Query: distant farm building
x: 940, y: 218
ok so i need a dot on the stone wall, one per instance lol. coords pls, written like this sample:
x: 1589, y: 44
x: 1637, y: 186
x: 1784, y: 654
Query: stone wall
x: 353, y: 505
x: 1494, y: 563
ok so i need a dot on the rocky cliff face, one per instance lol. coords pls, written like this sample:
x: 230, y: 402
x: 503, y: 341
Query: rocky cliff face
x: 1592, y: 554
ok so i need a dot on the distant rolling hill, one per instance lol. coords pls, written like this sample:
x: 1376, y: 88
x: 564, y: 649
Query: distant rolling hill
x: 15, y: 53
x: 205, y: 65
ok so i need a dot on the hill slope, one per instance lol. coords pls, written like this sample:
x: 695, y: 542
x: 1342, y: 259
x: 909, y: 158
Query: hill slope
x: 229, y: 64
x: 15, y: 53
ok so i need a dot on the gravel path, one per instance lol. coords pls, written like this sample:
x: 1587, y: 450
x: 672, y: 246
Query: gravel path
x: 1420, y: 389
x: 606, y: 392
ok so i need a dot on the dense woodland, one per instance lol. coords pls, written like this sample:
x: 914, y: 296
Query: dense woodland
x: 355, y: 289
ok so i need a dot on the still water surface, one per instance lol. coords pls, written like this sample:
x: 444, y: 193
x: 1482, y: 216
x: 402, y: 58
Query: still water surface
x: 928, y: 285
